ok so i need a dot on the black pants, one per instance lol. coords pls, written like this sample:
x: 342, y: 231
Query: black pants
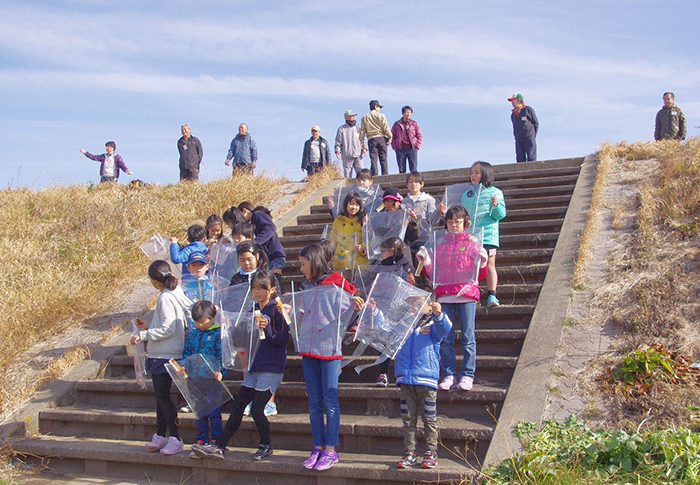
x: 257, y: 410
x: 189, y: 173
x: 166, y: 412
x: 377, y: 150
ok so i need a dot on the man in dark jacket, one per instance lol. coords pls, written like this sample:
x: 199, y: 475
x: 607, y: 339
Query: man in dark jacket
x: 316, y: 154
x: 670, y: 121
x: 525, y: 127
x: 191, y: 153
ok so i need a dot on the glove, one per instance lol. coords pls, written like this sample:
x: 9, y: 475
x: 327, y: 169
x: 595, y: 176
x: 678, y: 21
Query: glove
x: 484, y: 257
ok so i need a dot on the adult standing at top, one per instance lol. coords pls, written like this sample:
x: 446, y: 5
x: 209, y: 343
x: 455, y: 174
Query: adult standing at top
x: 191, y: 154
x: 347, y: 145
x: 525, y: 127
x: 316, y: 154
x: 110, y: 163
x: 243, y: 151
x: 376, y: 128
x: 406, y: 141
x: 670, y: 120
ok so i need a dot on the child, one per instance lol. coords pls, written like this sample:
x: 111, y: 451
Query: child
x: 347, y: 234
x: 417, y: 369
x: 232, y: 217
x: 166, y: 338
x: 491, y: 209
x: 392, y: 200
x: 265, y: 234
x: 205, y: 338
x: 421, y: 207
x: 394, y: 253
x: 369, y: 193
x: 111, y: 163
x: 215, y: 231
x: 196, y: 284
x: 196, y: 235
x: 265, y: 374
x: 457, y: 299
x: 243, y: 231
x: 251, y: 258
x: 321, y: 373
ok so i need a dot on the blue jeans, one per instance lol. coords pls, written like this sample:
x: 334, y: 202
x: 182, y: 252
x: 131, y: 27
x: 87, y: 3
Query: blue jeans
x: 448, y: 361
x: 410, y: 154
x: 321, y: 378
x: 213, y: 419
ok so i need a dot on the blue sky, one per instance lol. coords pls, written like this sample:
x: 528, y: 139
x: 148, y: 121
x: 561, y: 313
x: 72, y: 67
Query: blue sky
x: 75, y: 74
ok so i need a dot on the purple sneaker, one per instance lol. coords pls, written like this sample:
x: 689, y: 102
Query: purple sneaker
x: 310, y: 462
x: 326, y: 460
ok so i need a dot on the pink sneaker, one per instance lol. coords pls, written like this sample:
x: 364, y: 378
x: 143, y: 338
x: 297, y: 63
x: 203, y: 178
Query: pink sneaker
x: 447, y: 383
x: 173, y: 447
x: 465, y: 383
x: 310, y: 462
x: 326, y: 460
x: 157, y: 443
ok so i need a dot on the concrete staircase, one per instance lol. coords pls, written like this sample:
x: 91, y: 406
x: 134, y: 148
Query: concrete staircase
x: 103, y: 430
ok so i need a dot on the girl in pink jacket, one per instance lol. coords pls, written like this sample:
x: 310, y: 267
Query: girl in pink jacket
x: 456, y: 282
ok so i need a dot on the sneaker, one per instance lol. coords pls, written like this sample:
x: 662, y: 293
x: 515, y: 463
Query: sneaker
x: 208, y: 451
x: 195, y: 456
x: 270, y: 409
x: 246, y: 411
x: 429, y: 459
x: 492, y: 301
x: 408, y: 460
x: 382, y: 381
x: 264, y: 451
x: 185, y: 409
x: 173, y: 447
x: 447, y: 383
x: 312, y: 459
x: 157, y: 443
x: 326, y: 460
x: 465, y: 383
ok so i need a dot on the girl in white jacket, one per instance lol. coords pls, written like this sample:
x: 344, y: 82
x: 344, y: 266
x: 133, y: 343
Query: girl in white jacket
x: 166, y: 338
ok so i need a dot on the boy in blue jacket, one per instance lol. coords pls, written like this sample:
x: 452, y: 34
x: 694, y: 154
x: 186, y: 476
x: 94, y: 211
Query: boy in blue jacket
x: 205, y: 339
x: 196, y: 235
x: 417, y: 371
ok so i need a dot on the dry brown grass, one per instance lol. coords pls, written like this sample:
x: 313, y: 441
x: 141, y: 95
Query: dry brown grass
x: 653, y: 283
x: 70, y: 251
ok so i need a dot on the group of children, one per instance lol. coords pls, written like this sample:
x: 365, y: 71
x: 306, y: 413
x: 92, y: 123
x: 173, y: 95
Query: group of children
x: 185, y: 319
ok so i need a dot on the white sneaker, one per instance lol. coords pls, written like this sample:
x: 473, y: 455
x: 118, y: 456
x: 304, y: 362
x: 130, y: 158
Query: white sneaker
x: 185, y: 409
x: 465, y: 383
x: 157, y: 443
x: 173, y: 447
x: 447, y: 383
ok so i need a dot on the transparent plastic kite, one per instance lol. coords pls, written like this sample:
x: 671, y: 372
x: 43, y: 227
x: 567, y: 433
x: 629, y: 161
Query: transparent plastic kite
x: 320, y: 316
x: 158, y: 247
x: 367, y: 273
x: 371, y: 196
x: 223, y: 260
x: 383, y: 225
x: 426, y: 220
x: 139, y: 357
x: 392, y: 308
x: 240, y: 335
x: 453, y: 194
x: 194, y: 377
x: 454, y: 259
x: 345, y: 252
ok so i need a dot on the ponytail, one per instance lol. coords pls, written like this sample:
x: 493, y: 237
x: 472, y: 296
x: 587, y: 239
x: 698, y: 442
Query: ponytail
x: 160, y: 271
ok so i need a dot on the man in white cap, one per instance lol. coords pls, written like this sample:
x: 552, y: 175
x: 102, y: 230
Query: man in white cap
x: 525, y: 127
x: 347, y: 145
x: 316, y: 152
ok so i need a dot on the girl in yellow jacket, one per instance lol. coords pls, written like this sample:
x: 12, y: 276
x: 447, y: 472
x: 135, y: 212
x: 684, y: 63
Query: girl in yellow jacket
x: 346, y: 233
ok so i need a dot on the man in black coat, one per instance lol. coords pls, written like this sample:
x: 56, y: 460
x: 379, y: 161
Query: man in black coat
x: 191, y: 153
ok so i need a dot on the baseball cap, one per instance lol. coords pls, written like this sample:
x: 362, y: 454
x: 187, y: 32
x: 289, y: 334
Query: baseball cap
x: 197, y: 257
x: 316, y: 128
x: 350, y: 113
x: 392, y: 193
x: 374, y: 103
x: 516, y: 96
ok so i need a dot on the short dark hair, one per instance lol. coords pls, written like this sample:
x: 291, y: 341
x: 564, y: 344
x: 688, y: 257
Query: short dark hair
x: 416, y: 175
x: 196, y: 232
x: 457, y: 212
x: 256, y: 250
x: 405, y: 108
x: 343, y: 211
x: 364, y: 174
x: 111, y: 144
x: 316, y: 255
x: 673, y: 96
x: 245, y: 229
x: 160, y: 271
x: 265, y: 279
x: 487, y: 176
x: 203, y: 309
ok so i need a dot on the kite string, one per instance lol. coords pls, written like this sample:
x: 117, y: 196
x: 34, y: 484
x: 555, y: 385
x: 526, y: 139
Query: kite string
x: 38, y: 138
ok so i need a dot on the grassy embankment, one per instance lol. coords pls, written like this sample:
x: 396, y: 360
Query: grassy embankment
x: 68, y: 252
x: 650, y: 396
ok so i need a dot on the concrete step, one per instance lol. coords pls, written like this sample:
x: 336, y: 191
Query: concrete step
x: 358, y: 434
x: 291, y: 397
x: 125, y: 459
